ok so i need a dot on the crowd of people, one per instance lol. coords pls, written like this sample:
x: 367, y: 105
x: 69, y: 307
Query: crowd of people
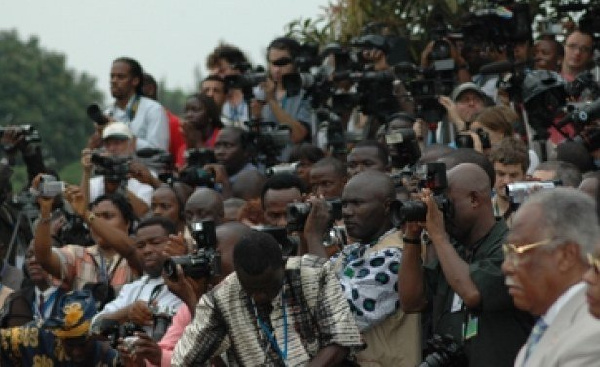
x: 253, y: 231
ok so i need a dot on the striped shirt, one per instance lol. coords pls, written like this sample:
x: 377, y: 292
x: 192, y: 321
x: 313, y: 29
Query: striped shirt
x: 317, y: 316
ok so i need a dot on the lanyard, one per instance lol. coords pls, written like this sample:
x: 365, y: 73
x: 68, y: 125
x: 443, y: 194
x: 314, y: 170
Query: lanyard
x: 131, y: 109
x: 271, y: 335
x: 44, y: 307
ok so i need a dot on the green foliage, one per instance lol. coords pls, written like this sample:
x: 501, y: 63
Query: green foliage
x: 172, y: 99
x: 36, y: 87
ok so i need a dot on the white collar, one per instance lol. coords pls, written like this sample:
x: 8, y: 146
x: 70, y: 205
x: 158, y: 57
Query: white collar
x: 553, y: 311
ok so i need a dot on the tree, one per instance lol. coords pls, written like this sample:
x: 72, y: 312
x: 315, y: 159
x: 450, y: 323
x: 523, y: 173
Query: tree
x: 37, y: 88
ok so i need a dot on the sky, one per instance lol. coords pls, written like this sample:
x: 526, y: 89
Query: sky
x: 170, y: 38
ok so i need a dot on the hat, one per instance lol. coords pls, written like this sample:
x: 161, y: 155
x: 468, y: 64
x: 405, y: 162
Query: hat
x: 75, y: 312
x: 464, y: 87
x: 117, y: 130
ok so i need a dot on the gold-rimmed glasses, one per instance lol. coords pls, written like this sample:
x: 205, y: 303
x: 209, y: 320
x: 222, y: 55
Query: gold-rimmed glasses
x: 512, y: 252
x: 594, y: 261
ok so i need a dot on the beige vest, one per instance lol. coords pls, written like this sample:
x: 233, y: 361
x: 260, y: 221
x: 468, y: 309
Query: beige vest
x: 395, y: 342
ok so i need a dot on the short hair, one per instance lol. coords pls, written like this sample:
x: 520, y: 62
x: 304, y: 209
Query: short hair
x: 228, y: 52
x: 383, y: 153
x: 287, y: 44
x: 468, y: 155
x: 257, y: 252
x: 498, y: 118
x: 165, y: 223
x: 307, y: 151
x: 575, y: 153
x: 511, y: 151
x: 122, y: 205
x: 216, y: 78
x: 212, y: 110
x: 567, y: 173
x: 245, y: 137
x: 282, y: 181
x: 136, y: 71
x: 569, y: 215
x: 338, y: 166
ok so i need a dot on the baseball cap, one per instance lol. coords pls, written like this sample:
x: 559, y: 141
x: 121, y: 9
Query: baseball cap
x: 117, y: 130
x: 464, y: 87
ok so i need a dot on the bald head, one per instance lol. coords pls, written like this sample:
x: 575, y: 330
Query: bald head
x: 204, y: 204
x: 228, y: 235
x: 376, y: 183
x: 470, y: 177
x: 248, y: 185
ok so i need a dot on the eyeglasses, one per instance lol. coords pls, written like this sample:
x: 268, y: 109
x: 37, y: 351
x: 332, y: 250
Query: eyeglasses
x: 594, y: 261
x: 511, y: 251
x: 582, y: 49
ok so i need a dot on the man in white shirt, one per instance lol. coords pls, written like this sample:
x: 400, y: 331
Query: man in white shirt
x: 142, y: 299
x: 544, y: 263
x: 145, y: 117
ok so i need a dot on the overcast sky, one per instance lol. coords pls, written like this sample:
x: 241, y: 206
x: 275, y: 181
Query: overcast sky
x: 169, y: 37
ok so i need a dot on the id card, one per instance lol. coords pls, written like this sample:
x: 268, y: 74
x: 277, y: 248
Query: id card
x: 471, y: 328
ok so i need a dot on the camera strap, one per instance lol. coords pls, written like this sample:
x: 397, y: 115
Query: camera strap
x: 132, y: 108
x: 104, y: 274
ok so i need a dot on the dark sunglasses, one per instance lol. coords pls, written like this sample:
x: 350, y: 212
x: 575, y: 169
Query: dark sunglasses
x: 282, y: 61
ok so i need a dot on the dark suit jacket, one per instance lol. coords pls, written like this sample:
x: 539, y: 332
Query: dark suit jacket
x: 17, y: 310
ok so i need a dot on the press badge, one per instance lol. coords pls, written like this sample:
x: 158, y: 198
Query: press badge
x: 471, y: 328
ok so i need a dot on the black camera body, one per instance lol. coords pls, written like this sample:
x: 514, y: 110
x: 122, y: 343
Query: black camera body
x: 466, y: 140
x: 433, y: 177
x: 205, y: 262
x: 194, y: 173
x: 289, y: 244
x: 298, y: 212
x: 289, y: 168
x: 113, y: 168
x: 269, y: 138
x: 443, y: 350
x: 403, y: 146
x: 95, y: 114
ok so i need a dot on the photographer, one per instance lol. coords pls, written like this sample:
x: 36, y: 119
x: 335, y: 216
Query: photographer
x: 14, y: 139
x: 465, y: 102
x: 141, y: 302
x: 111, y: 261
x: 278, y: 106
x: 190, y: 290
x: 368, y: 270
x: 464, y: 286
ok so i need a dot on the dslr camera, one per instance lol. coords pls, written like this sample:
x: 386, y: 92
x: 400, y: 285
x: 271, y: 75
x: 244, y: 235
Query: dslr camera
x: 205, y: 262
x: 298, y: 212
x: 431, y: 176
x: 113, y: 168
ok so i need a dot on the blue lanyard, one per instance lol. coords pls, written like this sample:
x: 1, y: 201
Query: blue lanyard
x: 271, y: 335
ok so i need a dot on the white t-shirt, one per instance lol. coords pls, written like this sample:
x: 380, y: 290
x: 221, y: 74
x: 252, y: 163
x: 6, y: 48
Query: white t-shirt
x: 141, y: 190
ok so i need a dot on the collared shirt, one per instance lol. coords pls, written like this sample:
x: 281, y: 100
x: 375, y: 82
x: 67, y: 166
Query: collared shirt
x: 149, y: 124
x: 144, y: 289
x: 316, y: 313
x: 369, y: 281
x: 50, y: 295
x: 550, y: 315
x: 80, y: 265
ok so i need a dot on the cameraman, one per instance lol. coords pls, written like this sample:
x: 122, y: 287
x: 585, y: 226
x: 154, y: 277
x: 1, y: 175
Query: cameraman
x: 278, y: 106
x: 117, y: 140
x: 14, y: 140
x: 190, y: 290
x: 464, y: 286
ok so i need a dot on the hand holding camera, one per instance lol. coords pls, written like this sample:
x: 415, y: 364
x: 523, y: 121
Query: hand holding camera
x: 138, y: 348
x: 140, y: 314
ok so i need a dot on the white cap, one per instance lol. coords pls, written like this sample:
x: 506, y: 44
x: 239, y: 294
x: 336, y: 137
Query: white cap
x: 117, y: 130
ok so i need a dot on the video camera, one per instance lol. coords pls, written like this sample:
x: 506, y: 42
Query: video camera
x: 337, y: 137
x: 194, y: 173
x: 50, y: 187
x: 113, y: 168
x: 159, y: 161
x: 466, y: 140
x: 298, y: 212
x: 29, y: 132
x: 518, y: 192
x: 205, y: 262
x: 431, y: 176
x: 269, y: 138
x: 403, y: 146
x: 290, y: 168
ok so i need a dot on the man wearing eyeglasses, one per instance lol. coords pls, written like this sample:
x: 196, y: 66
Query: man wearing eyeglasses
x: 578, y: 55
x: 464, y: 285
x: 544, y: 264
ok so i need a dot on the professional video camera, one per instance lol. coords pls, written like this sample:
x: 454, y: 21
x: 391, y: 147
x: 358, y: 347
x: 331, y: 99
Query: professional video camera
x: 113, y: 168
x: 518, y: 192
x: 544, y: 95
x: 500, y: 23
x: 466, y: 140
x: 269, y: 138
x: 337, y: 138
x: 431, y: 176
x: 95, y: 114
x: 289, y: 244
x: 205, y: 262
x: 582, y: 116
x: 29, y: 132
x: 194, y: 173
x: 247, y: 81
x: 298, y: 212
x: 443, y: 350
